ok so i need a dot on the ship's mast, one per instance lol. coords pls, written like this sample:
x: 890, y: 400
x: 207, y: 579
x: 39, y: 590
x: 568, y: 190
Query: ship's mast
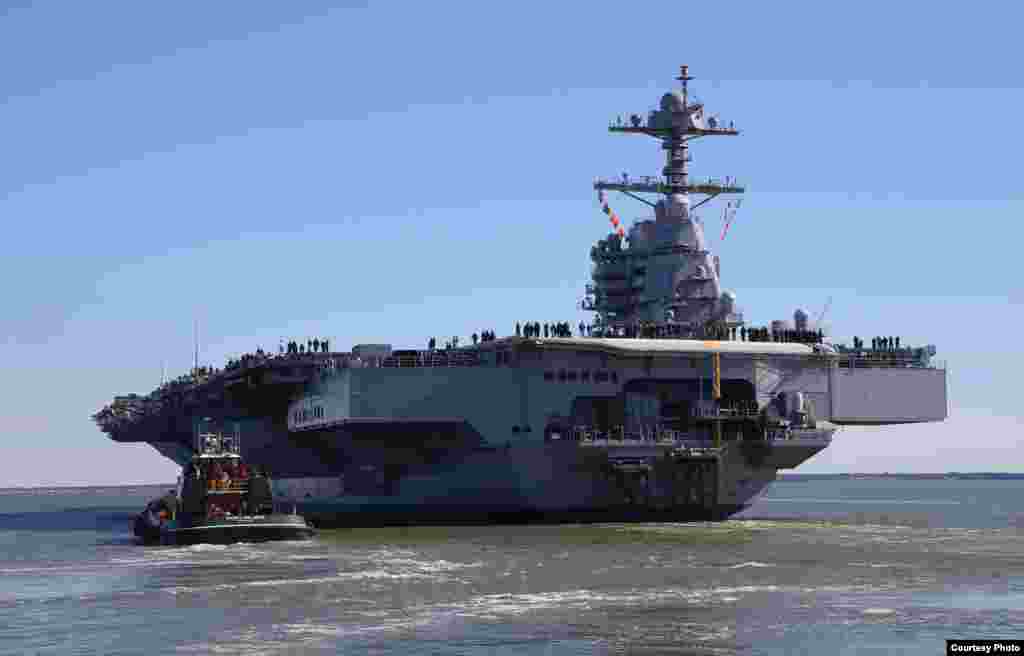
x: 676, y: 125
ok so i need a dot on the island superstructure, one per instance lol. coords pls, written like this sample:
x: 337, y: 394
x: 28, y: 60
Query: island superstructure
x: 669, y: 406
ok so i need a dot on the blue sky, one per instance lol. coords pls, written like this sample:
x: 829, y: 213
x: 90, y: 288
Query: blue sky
x: 392, y: 172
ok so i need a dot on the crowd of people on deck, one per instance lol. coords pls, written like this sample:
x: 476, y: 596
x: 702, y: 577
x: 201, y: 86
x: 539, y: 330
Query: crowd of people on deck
x: 885, y: 350
x: 311, y: 346
x: 644, y: 330
x: 485, y: 336
x: 453, y: 343
x: 246, y: 360
x: 221, y: 476
x: 553, y: 329
x: 786, y: 336
x: 293, y: 348
x: 878, y: 343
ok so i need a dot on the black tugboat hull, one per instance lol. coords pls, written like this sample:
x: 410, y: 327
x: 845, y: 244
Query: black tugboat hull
x: 223, y: 531
x: 146, y: 528
x: 228, y: 531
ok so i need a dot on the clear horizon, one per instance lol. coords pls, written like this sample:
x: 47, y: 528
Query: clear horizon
x: 335, y: 170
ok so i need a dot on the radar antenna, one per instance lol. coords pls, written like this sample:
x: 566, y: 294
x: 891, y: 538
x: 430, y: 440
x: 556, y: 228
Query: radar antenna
x: 676, y: 124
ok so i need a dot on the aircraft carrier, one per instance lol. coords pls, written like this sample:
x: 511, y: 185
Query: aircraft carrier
x: 667, y: 406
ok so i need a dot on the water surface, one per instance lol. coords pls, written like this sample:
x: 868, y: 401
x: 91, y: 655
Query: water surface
x: 821, y: 566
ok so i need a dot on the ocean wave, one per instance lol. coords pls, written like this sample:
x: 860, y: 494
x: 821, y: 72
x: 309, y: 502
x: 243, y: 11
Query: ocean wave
x: 298, y: 635
x: 432, y: 566
x: 320, y: 580
x: 504, y: 604
x: 408, y: 570
x: 752, y: 563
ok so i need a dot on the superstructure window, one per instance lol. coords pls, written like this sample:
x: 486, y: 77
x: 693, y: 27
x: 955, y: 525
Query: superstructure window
x: 585, y: 375
x: 549, y: 376
x: 561, y: 375
x: 572, y: 376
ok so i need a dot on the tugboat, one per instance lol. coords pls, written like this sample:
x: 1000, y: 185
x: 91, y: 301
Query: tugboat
x: 219, y: 500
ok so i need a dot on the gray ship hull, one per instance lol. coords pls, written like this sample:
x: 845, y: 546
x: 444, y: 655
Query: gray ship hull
x: 498, y: 440
x: 567, y: 482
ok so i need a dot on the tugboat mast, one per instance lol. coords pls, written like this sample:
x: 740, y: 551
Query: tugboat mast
x: 683, y: 297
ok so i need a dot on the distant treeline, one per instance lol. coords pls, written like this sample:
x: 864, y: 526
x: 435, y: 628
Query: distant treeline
x: 972, y: 476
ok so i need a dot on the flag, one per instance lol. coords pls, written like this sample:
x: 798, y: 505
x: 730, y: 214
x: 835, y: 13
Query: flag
x: 612, y: 216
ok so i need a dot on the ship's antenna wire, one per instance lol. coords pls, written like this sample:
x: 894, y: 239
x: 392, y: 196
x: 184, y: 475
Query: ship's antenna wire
x: 821, y: 316
x: 195, y: 344
x: 728, y: 214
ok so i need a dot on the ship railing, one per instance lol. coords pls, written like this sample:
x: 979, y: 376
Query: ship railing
x: 778, y: 434
x: 653, y: 183
x: 630, y: 120
x: 619, y: 434
x: 646, y: 436
x: 710, y: 124
x: 905, y: 358
x: 725, y: 412
x: 650, y: 182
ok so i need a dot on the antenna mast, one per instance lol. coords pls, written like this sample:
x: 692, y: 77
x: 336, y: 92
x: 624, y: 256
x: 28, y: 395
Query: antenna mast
x: 675, y: 126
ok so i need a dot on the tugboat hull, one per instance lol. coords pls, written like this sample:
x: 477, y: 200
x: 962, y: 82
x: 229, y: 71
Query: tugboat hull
x: 223, y: 531
x: 146, y: 527
x: 240, y: 529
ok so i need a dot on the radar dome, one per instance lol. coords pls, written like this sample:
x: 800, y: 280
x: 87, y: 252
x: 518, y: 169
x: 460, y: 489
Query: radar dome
x: 728, y: 300
x: 800, y: 319
x: 672, y: 102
